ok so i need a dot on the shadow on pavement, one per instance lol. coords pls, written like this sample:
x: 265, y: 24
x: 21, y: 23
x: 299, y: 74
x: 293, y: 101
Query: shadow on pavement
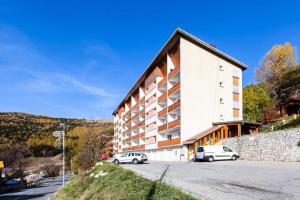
x: 9, y: 196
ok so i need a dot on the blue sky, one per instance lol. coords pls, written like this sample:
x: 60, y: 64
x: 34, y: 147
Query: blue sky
x: 80, y: 58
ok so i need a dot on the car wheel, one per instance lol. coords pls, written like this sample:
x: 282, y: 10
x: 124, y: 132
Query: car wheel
x: 210, y: 159
x: 135, y: 161
x: 116, y: 161
x: 234, y: 157
x: 142, y: 162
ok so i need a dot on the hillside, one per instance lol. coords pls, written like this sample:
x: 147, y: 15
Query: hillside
x: 16, y: 128
x: 24, y: 135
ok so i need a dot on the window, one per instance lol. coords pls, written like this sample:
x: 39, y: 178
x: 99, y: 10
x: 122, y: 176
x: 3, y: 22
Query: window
x: 169, y: 137
x: 137, y: 154
x: 131, y: 154
x: 221, y: 101
x: 226, y: 149
x: 124, y: 155
x: 221, y: 84
x: 221, y: 117
x: 221, y: 68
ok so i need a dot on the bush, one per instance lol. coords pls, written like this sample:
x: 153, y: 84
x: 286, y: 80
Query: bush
x: 51, y: 170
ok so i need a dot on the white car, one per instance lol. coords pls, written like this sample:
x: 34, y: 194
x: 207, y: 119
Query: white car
x: 132, y: 157
x: 215, y: 152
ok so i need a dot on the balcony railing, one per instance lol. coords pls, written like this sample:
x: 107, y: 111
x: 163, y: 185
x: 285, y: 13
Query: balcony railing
x: 142, y: 100
x: 142, y: 135
x: 171, y: 142
x: 162, y: 127
x: 135, y: 106
x: 142, y: 147
x: 142, y: 111
x: 135, y: 137
x: 174, y: 88
x: 174, y: 71
x: 174, y: 106
x: 135, y: 147
x: 162, y: 97
x: 142, y: 123
x: 135, y: 127
x: 134, y: 116
x: 127, y: 148
x: 162, y: 112
x: 174, y: 123
x: 163, y: 81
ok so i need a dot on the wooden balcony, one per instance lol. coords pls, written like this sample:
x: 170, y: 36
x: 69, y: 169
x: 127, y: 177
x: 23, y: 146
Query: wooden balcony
x: 174, y: 106
x: 174, y: 124
x: 162, y: 112
x: 142, y: 111
x: 128, y: 120
x: 142, y: 100
x: 135, y: 147
x: 142, y: 135
x: 134, y: 116
x: 135, y: 137
x: 142, y: 123
x: 162, y: 127
x: 141, y: 147
x: 171, y: 142
x: 174, y: 88
x: 174, y: 71
x: 162, y: 97
x: 163, y: 81
x: 127, y: 148
x: 135, y: 127
x: 135, y: 106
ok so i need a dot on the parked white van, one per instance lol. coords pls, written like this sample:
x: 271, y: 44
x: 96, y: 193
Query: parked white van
x: 215, y: 152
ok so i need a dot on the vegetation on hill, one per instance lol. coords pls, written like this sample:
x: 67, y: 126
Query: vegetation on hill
x: 23, y: 135
x: 118, y: 183
x: 277, y: 92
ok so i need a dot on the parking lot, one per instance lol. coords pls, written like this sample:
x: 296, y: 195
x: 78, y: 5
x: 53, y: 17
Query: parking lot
x: 228, y: 179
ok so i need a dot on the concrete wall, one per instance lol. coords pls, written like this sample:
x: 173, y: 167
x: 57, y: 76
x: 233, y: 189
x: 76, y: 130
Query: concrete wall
x: 200, y: 91
x: 274, y: 146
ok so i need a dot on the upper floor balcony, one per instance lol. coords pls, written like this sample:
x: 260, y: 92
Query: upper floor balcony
x: 174, y: 124
x: 174, y: 72
x: 174, y: 106
x: 171, y: 142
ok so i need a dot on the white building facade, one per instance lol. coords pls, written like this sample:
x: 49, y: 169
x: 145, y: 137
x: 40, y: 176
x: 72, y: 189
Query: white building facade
x: 187, y: 88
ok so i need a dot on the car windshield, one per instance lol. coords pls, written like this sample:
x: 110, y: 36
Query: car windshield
x: 200, y: 149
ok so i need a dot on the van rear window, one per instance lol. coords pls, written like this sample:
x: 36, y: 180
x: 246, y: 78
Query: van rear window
x: 200, y: 149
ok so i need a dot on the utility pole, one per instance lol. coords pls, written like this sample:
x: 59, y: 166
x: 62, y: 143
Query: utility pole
x: 64, y: 169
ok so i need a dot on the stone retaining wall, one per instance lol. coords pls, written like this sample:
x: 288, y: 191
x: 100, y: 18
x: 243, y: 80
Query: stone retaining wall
x: 272, y: 146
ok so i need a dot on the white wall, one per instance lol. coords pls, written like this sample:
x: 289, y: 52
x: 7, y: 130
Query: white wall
x: 200, y: 91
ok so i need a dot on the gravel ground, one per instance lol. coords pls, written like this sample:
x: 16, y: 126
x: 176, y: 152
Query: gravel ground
x: 228, y: 179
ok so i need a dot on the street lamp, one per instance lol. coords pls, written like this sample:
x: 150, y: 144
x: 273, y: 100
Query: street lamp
x: 59, y: 135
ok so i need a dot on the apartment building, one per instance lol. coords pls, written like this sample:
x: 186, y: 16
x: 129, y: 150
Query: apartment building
x: 189, y: 95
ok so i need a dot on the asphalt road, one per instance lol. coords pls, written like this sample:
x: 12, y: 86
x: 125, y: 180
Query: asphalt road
x: 228, y: 179
x: 43, y: 191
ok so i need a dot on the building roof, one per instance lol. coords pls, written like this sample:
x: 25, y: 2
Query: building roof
x: 242, y: 122
x: 202, y: 134
x: 168, y: 45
